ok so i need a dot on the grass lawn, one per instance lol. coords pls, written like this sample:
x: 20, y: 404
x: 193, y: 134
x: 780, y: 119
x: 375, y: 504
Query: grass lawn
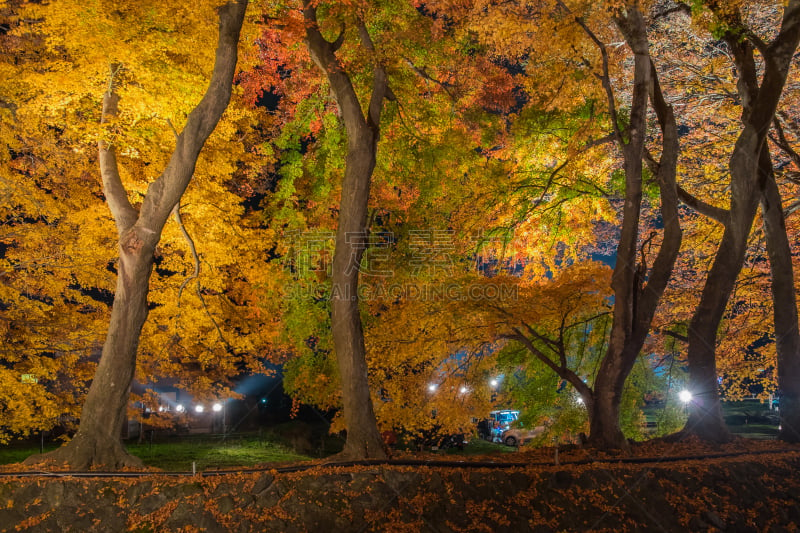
x: 213, y: 453
x: 177, y: 454
x: 478, y: 446
x: 18, y: 452
x: 746, y: 418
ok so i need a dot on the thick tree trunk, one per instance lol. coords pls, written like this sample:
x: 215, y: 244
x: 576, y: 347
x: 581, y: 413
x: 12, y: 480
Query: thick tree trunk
x: 636, y: 300
x: 363, y: 438
x: 784, y: 300
x: 759, y: 105
x: 97, y: 443
x: 705, y: 412
x: 605, y: 431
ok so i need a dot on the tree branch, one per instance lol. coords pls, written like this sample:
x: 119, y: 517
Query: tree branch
x: 713, y: 212
x: 195, y: 276
x: 673, y: 334
x: 124, y: 213
x: 165, y: 192
x: 380, y: 81
x: 783, y: 143
x: 605, y: 78
x: 422, y: 73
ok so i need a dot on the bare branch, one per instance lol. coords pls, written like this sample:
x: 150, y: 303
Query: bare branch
x: 422, y: 73
x: 783, y: 143
x: 673, y: 334
x: 195, y: 275
x: 605, y: 78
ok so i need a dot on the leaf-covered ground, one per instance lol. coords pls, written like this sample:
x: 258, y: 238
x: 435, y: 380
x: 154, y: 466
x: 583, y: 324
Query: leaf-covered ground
x: 744, y: 486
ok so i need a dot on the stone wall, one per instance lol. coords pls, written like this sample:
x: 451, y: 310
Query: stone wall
x: 738, y: 494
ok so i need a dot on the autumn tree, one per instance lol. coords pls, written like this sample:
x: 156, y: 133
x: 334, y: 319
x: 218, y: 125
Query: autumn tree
x: 363, y: 129
x: 637, y: 283
x: 749, y: 166
x: 703, y: 82
x: 97, y: 441
x: 426, y: 150
x: 45, y: 360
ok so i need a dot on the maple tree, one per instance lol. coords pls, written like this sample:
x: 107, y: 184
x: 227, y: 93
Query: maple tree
x: 637, y: 284
x: 748, y: 339
x: 409, y: 174
x: 518, y: 141
x: 749, y: 162
x: 362, y: 129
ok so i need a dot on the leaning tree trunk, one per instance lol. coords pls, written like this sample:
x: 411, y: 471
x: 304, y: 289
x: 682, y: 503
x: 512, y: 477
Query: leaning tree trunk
x: 97, y: 443
x: 363, y: 438
x: 784, y: 301
x: 635, y: 301
x: 759, y: 105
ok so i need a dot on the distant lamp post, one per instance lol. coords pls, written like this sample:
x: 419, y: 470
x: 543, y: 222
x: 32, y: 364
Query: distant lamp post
x: 494, y: 383
x: 463, y: 389
x: 432, y: 387
x: 220, y: 407
x: 198, y: 409
x: 180, y: 408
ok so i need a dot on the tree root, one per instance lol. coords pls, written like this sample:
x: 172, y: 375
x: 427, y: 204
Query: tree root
x: 85, y: 453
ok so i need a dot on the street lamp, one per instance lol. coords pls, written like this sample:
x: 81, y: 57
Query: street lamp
x: 463, y: 389
x: 198, y: 409
x: 685, y: 396
x: 217, y: 407
x: 493, y: 383
x: 180, y: 408
x: 432, y: 387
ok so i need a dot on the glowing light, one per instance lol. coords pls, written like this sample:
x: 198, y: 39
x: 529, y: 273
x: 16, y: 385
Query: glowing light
x: 217, y: 407
x: 493, y: 383
x: 685, y: 396
x: 180, y: 408
x: 198, y: 408
x: 432, y: 387
x: 463, y: 389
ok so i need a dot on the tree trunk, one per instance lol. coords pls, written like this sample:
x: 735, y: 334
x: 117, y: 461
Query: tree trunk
x: 97, y: 443
x: 635, y: 302
x: 759, y: 105
x: 363, y: 438
x: 705, y: 411
x: 787, y: 337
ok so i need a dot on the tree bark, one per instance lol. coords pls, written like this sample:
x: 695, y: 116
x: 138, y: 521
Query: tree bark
x: 97, y: 443
x: 784, y: 301
x: 759, y: 105
x: 363, y: 438
x: 635, y: 301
